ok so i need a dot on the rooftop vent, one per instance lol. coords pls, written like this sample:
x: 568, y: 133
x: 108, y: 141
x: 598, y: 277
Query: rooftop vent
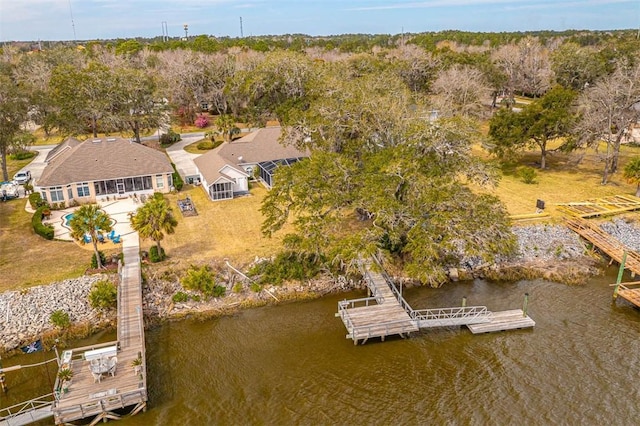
x: 96, y: 140
x: 240, y: 159
x: 111, y: 139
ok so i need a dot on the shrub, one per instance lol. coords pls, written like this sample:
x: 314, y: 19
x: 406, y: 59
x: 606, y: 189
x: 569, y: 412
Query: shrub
x: 255, y: 287
x: 103, y: 295
x: 286, y: 266
x: 22, y: 155
x: 60, y: 318
x: 45, y: 231
x: 35, y: 200
x: 202, y: 279
x: 204, y: 145
x: 237, y: 287
x: 94, y: 263
x: 528, y: 175
x: 178, y: 183
x: 169, y: 138
x: 180, y: 297
x: 202, y: 121
x: 154, y: 256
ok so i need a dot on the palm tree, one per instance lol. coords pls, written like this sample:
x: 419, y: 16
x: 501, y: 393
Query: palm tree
x: 154, y: 219
x: 632, y: 173
x: 90, y: 221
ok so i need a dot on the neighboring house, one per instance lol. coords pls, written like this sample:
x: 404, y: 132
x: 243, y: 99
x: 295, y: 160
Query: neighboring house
x: 97, y: 168
x: 226, y: 170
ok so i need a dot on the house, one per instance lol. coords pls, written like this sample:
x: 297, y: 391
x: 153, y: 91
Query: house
x: 226, y: 170
x: 95, y: 169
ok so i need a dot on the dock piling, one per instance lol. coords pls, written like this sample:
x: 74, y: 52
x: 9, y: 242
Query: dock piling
x: 464, y: 301
x: 524, y: 306
x: 620, y: 272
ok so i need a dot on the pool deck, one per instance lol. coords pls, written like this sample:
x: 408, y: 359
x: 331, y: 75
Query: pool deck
x: 118, y: 210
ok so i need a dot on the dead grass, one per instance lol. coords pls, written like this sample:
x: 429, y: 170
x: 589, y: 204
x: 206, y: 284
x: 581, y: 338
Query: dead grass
x: 568, y: 177
x: 28, y: 259
x: 223, y: 229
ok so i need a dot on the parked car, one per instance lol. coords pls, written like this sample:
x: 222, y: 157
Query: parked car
x: 8, y: 190
x: 22, y: 177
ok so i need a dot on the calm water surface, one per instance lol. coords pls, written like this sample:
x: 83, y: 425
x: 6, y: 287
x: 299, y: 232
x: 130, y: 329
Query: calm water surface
x: 291, y: 364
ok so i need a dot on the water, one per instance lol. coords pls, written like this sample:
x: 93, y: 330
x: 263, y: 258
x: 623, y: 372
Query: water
x: 291, y: 364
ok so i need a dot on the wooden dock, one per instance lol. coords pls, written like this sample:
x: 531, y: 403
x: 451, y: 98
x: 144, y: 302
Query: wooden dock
x: 386, y: 313
x: 504, y: 320
x: 615, y: 250
x: 380, y: 315
x: 87, y: 397
x: 600, y: 206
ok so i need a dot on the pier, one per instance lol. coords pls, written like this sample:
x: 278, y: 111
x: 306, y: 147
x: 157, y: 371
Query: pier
x: 387, y: 313
x: 99, y: 393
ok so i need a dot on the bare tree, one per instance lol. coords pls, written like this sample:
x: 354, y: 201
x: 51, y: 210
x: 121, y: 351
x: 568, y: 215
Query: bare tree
x: 461, y: 90
x: 608, y: 109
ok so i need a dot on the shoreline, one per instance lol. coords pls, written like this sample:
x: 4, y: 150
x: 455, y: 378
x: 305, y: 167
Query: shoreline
x: 550, y: 252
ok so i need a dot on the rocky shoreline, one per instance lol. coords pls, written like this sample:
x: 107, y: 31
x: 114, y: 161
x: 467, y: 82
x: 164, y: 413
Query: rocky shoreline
x: 546, y: 251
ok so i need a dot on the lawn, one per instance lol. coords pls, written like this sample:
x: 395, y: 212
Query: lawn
x: 27, y: 259
x: 568, y: 177
x: 223, y: 229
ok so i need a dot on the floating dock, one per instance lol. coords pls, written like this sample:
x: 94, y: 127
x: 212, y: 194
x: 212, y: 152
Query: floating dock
x: 386, y: 313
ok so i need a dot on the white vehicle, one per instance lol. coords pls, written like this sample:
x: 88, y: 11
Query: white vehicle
x: 8, y: 190
x: 22, y: 177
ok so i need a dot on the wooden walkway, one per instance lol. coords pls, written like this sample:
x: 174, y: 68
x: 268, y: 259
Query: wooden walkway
x: 128, y: 387
x: 600, y: 206
x: 615, y: 250
x: 386, y: 313
x: 27, y: 412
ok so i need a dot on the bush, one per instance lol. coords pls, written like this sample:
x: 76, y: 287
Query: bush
x: 528, y: 175
x: 178, y: 183
x: 94, y: 262
x: 103, y: 295
x: 255, y: 287
x: 169, y: 138
x: 202, y: 279
x: 202, y: 121
x: 286, y: 266
x: 154, y: 256
x: 22, y: 155
x: 35, y: 200
x: 60, y: 318
x: 45, y: 231
x: 205, y: 145
x: 237, y: 287
x: 180, y: 297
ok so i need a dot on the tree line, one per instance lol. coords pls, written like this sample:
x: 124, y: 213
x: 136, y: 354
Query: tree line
x: 390, y: 126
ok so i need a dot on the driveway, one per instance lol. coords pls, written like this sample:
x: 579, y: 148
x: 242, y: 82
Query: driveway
x: 183, y: 159
x: 36, y: 166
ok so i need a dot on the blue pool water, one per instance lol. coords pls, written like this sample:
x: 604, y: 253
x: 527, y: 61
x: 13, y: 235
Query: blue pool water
x: 67, y: 218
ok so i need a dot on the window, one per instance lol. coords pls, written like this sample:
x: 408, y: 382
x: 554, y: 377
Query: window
x: 69, y: 192
x: 221, y: 191
x: 82, y: 189
x: 159, y: 181
x: 56, y: 194
x: 44, y: 196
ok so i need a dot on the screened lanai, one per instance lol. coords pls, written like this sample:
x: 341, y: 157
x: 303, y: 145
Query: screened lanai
x: 268, y: 168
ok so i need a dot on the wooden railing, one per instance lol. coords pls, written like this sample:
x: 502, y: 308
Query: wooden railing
x: 101, y: 405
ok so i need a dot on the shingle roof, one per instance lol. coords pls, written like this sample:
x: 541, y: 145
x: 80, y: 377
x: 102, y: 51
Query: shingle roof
x: 261, y: 145
x: 98, y: 159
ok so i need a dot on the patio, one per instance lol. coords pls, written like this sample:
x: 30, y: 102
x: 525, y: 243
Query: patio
x: 118, y: 210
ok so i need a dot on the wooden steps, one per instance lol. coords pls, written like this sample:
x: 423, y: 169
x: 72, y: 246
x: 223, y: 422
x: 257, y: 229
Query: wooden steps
x: 504, y: 320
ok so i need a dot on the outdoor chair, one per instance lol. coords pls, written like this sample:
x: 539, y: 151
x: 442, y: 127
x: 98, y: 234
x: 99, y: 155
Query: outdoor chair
x: 101, y: 238
x: 113, y: 363
x: 96, y: 376
x: 87, y: 238
x: 111, y: 234
x: 116, y: 239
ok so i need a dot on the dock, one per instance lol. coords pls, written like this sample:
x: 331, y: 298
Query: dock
x: 505, y: 320
x: 617, y: 251
x: 126, y: 387
x: 386, y: 313
x: 605, y: 206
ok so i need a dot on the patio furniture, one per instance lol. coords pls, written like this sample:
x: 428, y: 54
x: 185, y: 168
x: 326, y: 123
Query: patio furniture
x: 87, y: 238
x: 116, y: 239
x: 101, y: 238
x: 113, y: 363
x: 97, y: 376
x: 111, y: 234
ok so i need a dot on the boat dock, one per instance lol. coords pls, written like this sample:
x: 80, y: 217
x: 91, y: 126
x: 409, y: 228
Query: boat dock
x: 386, y: 313
x: 99, y: 393
x: 613, y: 248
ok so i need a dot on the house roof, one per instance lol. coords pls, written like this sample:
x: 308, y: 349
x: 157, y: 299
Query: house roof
x: 256, y: 147
x: 99, y: 159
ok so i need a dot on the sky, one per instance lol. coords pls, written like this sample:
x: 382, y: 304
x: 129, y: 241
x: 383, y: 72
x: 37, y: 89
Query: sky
x: 23, y: 20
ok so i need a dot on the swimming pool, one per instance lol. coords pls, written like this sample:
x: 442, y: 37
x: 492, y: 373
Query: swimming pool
x: 67, y: 218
